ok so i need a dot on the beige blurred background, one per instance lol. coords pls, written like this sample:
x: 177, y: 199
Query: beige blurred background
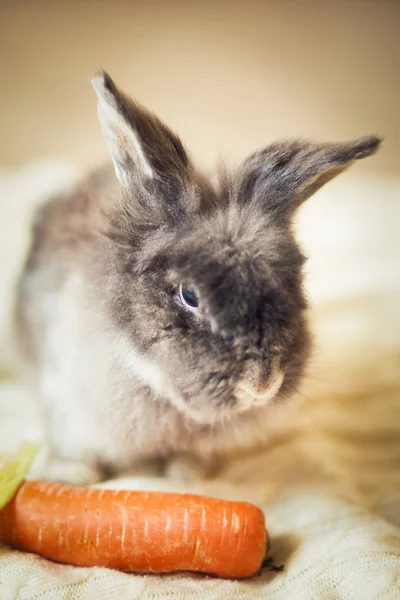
x: 229, y: 76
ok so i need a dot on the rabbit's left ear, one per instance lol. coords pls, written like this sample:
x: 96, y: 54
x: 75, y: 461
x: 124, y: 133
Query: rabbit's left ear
x: 285, y: 174
x: 143, y: 149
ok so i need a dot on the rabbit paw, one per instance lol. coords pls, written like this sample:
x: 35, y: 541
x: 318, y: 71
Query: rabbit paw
x: 70, y: 472
x: 186, y: 469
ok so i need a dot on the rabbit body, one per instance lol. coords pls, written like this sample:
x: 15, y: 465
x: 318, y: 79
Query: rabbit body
x: 162, y: 316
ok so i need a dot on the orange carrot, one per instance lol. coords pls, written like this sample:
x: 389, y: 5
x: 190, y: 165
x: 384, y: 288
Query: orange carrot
x: 135, y: 531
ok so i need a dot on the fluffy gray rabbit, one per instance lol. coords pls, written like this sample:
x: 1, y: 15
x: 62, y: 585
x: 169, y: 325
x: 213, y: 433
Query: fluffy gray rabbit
x: 163, y: 316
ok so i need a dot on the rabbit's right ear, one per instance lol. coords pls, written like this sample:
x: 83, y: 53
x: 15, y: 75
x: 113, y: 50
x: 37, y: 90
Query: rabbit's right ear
x: 143, y: 149
x: 285, y: 174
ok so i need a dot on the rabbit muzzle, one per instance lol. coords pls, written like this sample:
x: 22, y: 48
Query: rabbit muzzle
x: 255, y: 391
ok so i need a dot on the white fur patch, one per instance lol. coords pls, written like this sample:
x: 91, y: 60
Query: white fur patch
x: 151, y: 375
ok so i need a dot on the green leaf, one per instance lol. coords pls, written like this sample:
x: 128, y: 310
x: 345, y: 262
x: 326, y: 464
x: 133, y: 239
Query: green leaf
x: 13, y: 470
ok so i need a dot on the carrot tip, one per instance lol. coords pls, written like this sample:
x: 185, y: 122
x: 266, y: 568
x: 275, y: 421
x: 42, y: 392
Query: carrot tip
x: 268, y: 563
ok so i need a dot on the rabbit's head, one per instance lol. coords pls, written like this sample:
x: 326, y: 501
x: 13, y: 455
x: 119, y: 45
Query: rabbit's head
x: 206, y: 281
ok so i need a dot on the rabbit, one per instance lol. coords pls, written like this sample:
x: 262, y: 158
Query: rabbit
x: 159, y: 315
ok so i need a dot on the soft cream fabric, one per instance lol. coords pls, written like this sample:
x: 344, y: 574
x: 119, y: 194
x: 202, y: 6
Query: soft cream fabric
x: 330, y: 550
x: 329, y: 479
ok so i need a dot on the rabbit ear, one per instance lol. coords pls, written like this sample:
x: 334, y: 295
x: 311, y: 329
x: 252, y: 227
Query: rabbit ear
x: 141, y: 146
x: 285, y: 174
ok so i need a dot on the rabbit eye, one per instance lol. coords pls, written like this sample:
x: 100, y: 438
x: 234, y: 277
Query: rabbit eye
x: 188, y: 297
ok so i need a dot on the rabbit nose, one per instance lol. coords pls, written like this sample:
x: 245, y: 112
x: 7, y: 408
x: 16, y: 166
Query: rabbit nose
x: 258, y: 388
x: 258, y: 374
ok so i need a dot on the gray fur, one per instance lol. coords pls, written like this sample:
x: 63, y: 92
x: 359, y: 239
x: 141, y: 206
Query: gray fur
x: 123, y: 369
